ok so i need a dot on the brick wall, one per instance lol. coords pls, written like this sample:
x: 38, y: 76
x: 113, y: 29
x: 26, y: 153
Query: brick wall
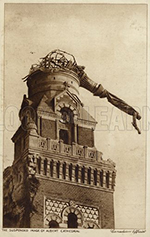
x: 85, y: 136
x: 48, y: 128
x: 83, y: 195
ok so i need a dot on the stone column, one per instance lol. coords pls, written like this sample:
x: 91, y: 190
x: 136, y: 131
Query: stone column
x: 67, y: 171
x: 61, y: 146
x: 79, y: 174
x: 86, y: 176
x: 92, y: 176
x: 110, y: 180
x: 57, y: 129
x: 85, y: 151
x: 42, y: 167
x: 36, y: 163
x: 39, y: 125
x: 73, y: 148
x: 48, y: 143
x: 54, y: 169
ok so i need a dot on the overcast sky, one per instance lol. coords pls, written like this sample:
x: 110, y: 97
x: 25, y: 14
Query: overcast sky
x: 110, y: 41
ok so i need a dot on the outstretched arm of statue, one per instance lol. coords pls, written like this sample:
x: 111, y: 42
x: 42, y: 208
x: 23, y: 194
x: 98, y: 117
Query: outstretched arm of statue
x: 98, y: 90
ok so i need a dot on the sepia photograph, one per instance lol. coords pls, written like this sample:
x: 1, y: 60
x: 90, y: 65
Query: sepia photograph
x: 75, y: 116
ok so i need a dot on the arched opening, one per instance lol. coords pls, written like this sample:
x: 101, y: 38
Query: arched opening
x: 53, y: 224
x: 101, y: 178
x: 39, y: 165
x: 95, y: 177
x: 107, y: 179
x: 89, y: 176
x: 63, y: 135
x: 51, y: 168
x: 45, y: 166
x: 64, y: 170
x: 58, y: 169
x: 66, y: 115
x: 72, y: 220
x: 67, y: 118
x: 70, y: 171
x: 76, y: 173
x: 83, y: 174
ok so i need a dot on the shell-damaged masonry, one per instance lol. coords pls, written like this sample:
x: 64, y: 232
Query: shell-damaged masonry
x: 58, y: 178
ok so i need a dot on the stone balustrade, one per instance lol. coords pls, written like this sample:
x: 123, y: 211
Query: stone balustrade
x: 78, y: 164
x: 70, y: 150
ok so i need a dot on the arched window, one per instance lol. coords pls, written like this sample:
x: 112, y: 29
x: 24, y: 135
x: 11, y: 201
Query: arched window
x: 51, y: 168
x: 95, y: 177
x: 101, y: 178
x: 58, y: 168
x: 83, y: 174
x: 53, y: 224
x: 113, y: 180
x: 76, y: 173
x: 70, y: 171
x: 107, y: 179
x: 39, y: 165
x: 66, y: 115
x: 67, y: 133
x: 64, y: 170
x: 89, y: 176
x: 45, y: 166
x: 72, y: 220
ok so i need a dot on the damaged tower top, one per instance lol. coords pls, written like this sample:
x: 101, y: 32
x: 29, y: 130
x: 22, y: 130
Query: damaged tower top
x: 61, y: 61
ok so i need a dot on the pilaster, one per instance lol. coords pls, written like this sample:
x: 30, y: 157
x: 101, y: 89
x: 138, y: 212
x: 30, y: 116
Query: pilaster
x: 104, y: 178
x: 54, y: 169
x: 67, y: 171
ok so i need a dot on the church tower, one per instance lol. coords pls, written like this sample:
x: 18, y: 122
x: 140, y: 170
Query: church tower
x: 58, y: 178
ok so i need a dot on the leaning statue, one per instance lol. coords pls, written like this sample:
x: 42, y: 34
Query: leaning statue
x: 59, y: 59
